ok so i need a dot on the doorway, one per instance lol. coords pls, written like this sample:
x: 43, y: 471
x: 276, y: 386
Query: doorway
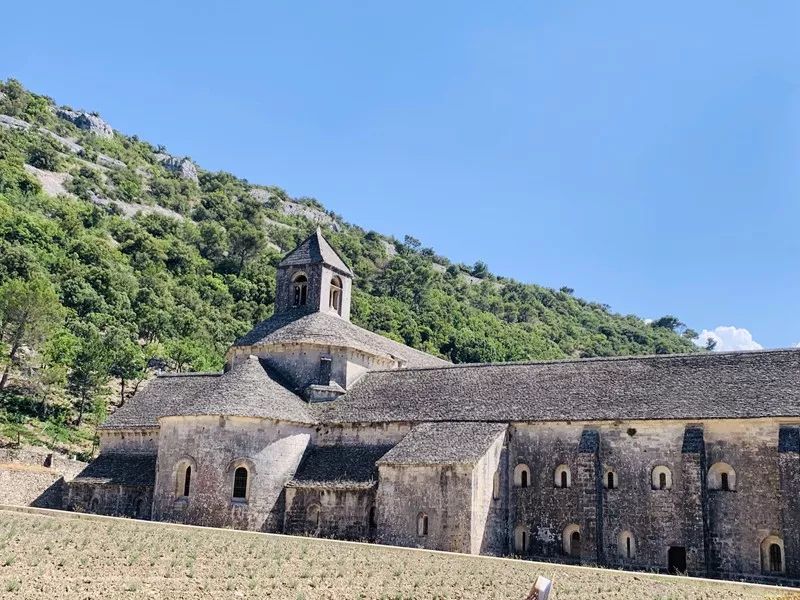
x: 676, y: 560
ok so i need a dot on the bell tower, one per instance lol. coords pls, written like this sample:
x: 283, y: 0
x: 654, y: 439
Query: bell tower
x: 314, y: 278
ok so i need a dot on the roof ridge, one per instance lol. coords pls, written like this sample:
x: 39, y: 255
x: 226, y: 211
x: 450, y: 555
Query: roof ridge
x: 556, y: 361
x: 195, y: 374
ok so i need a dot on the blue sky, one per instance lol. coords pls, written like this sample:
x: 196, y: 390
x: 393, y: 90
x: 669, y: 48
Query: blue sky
x: 647, y: 155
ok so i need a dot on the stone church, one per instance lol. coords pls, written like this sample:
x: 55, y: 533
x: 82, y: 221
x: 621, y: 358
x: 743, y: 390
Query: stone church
x: 681, y: 463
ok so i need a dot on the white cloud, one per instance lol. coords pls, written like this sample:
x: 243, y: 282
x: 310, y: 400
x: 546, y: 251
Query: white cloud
x: 797, y: 345
x: 729, y: 337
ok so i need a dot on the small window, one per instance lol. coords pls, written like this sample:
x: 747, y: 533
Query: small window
x: 562, y: 477
x: 626, y: 545
x: 496, y: 485
x: 722, y: 477
x: 611, y: 481
x: 661, y: 478
x: 187, y: 480
x: 422, y: 524
x: 94, y: 505
x: 335, y: 299
x: 521, y: 540
x: 184, y: 470
x: 373, y: 521
x: 571, y: 540
x: 772, y: 555
x: 240, y: 484
x: 299, y: 290
x: 522, y: 476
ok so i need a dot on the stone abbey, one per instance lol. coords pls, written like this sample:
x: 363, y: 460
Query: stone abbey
x: 683, y: 463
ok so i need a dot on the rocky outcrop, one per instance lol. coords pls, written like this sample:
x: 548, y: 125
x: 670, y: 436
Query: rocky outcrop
x: 13, y: 122
x: 52, y: 183
x: 131, y: 209
x: 86, y: 121
x: 182, y: 166
x: 311, y: 213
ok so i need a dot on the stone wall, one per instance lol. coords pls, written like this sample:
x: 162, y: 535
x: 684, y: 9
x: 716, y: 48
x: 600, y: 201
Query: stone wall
x: 35, y: 476
x: 330, y: 512
x: 299, y: 364
x: 442, y: 492
x: 142, y: 441
x: 216, y: 446
x: 318, y: 295
x: 721, y: 531
x: 112, y: 500
x: 488, y: 531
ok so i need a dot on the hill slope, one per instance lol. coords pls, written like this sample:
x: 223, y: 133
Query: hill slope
x: 132, y: 254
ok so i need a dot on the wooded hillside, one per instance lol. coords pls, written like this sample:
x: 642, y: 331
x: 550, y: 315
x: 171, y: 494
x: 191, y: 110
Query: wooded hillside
x: 115, y: 255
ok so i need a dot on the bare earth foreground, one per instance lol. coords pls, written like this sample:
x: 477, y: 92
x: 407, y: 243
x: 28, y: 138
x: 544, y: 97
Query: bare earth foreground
x: 47, y: 554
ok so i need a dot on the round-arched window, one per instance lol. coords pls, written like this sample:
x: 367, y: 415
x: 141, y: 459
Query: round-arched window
x: 521, y: 540
x: 335, y: 297
x: 562, y: 477
x: 626, y: 545
x: 661, y: 478
x: 299, y: 289
x: 722, y: 477
x: 571, y: 540
x: 522, y: 476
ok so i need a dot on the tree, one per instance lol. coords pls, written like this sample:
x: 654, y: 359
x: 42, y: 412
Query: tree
x: 126, y: 360
x: 669, y: 322
x: 480, y: 270
x: 89, y: 375
x: 246, y: 241
x: 29, y: 310
x: 44, y: 157
x: 711, y: 344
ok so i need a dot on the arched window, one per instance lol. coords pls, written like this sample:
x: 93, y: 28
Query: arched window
x: 626, y: 545
x: 240, y: 483
x: 772, y: 558
x: 611, y: 482
x: 521, y: 540
x: 183, y: 472
x: 661, y: 478
x: 562, y: 477
x: 335, y: 299
x: 422, y: 524
x: 94, y: 505
x: 496, y: 486
x: 373, y: 521
x: 721, y: 476
x: 522, y: 476
x: 299, y: 289
x: 571, y: 540
x: 312, y: 517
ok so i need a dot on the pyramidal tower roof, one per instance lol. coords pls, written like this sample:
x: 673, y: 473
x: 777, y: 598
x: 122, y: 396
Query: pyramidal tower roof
x: 314, y: 250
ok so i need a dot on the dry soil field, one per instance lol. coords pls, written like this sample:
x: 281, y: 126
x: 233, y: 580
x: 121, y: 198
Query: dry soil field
x: 49, y: 556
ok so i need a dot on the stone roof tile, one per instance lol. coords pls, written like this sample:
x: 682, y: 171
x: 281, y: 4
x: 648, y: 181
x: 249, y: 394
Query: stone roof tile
x: 315, y: 249
x: 249, y: 389
x: 339, y: 467
x: 444, y: 443
x: 688, y: 386
x: 120, y: 469
x: 299, y: 326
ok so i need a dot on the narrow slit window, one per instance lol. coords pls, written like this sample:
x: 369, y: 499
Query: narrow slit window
x: 187, y: 480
